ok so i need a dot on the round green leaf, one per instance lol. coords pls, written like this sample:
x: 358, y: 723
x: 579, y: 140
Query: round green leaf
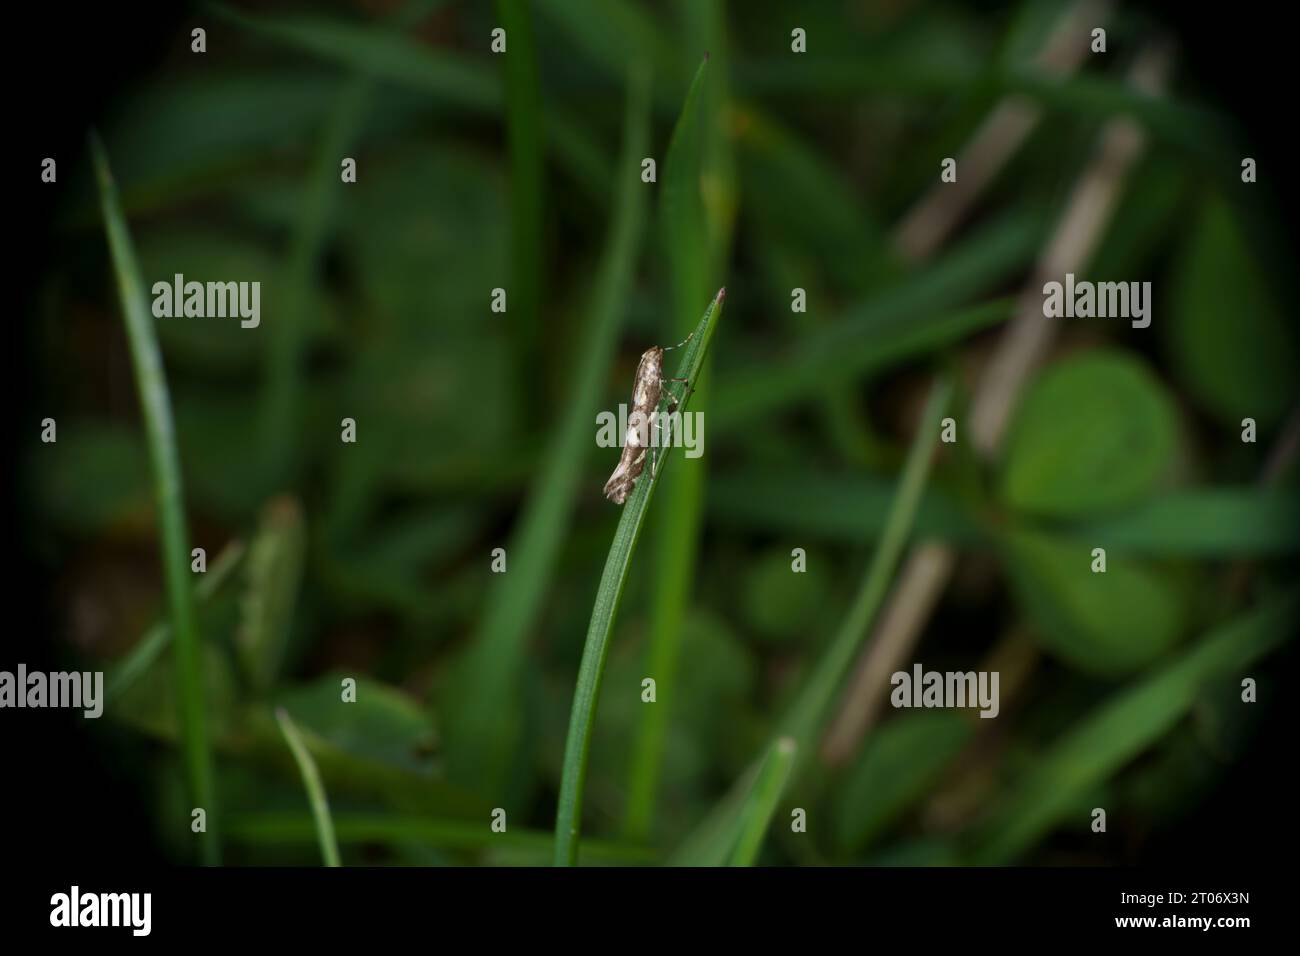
x: 382, y: 724
x: 1107, y: 623
x: 1229, y: 343
x: 1094, y: 433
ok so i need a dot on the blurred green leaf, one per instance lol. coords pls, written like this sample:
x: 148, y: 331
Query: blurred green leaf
x: 1211, y: 522
x: 1228, y: 341
x: 829, y: 506
x: 899, y: 763
x: 149, y: 702
x: 613, y: 33
x: 1196, y: 132
x: 444, y: 244
x: 716, y: 837
x: 766, y: 385
x: 225, y: 480
x: 452, y: 78
x: 924, y: 852
x: 290, y: 337
x: 274, y: 571
x: 713, y: 839
x: 1093, y: 433
x: 144, y: 655
x: 756, y: 812
x: 275, y: 829
x: 406, y: 393
x: 1109, y: 623
x: 778, y: 603
x: 706, y: 701
x: 1127, y: 724
x: 382, y: 724
x: 211, y: 344
x: 805, y: 201
x: 528, y: 251
x: 919, y: 313
x: 378, y: 51
x: 94, y: 476
x: 181, y: 136
x: 1149, y: 213
x: 398, y: 774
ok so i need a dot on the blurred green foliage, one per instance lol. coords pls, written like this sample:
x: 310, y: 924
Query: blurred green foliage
x: 476, y: 171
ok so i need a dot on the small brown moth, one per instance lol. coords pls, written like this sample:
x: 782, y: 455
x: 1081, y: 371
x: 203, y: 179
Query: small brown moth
x: 647, y: 390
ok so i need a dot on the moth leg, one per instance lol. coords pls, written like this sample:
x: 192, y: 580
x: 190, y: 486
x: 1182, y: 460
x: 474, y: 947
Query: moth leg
x: 659, y: 447
x: 656, y: 450
x: 657, y: 463
x: 673, y: 401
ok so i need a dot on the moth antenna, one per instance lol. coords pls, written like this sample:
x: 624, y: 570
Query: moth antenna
x: 681, y: 343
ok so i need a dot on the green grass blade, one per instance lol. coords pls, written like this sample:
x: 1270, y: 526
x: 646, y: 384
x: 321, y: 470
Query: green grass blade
x: 320, y: 808
x: 275, y: 560
x: 1210, y: 522
x: 806, y: 201
x: 149, y: 648
x: 286, y: 343
x: 482, y: 738
x: 697, y: 215
x: 756, y: 815
x: 675, y: 528
x: 806, y: 715
x: 716, y: 839
x: 605, y: 608
x: 279, y: 828
x: 926, y: 310
x: 1100, y: 97
x: 1122, y: 728
x: 164, y: 460
x: 768, y: 77
x: 768, y: 385
x: 375, y: 51
x: 613, y: 33
x: 681, y: 208
x: 451, y: 78
x: 524, y: 113
x: 833, y: 507
x: 281, y: 403
x: 1218, y: 522
x: 1200, y: 133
